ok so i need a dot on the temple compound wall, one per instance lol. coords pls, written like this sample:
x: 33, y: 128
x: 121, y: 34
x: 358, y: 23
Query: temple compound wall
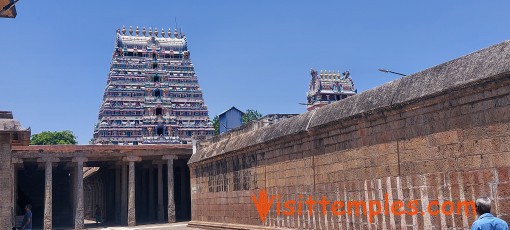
x: 440, y: 135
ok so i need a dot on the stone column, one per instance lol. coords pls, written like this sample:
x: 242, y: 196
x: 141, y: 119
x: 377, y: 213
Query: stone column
x: 48, y: 193
x: 170, y: 184
x: 131, y: 194
x: 160, y: 191
x: 78, y: 219
x: 123, y: 198
x: 131, y: 200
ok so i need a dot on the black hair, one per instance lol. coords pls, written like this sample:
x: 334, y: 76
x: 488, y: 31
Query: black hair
x: 483, y: 205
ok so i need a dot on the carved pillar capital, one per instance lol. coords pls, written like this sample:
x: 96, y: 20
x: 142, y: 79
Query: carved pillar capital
x: 80, y: 159
x: 46, y: 159
x: 169, y: 157
x: 16, y: 160
x: 17, y: 163
x: 132, y: 158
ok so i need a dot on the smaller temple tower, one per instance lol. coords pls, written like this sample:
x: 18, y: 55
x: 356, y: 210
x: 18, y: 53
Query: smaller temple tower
x: 327, y: 87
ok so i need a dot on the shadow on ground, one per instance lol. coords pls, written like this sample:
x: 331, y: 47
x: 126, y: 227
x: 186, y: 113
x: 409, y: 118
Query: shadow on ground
x: 174, y: 226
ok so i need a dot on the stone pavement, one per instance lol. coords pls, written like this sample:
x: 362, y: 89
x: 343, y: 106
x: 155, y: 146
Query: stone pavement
x: 174, y: 226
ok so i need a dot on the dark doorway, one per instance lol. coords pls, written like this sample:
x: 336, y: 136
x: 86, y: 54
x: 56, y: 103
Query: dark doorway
x: 182, y: 190
x: 157, y: 93
x: 31, y: 191
x: 160, y: 130
x: 159, y: 111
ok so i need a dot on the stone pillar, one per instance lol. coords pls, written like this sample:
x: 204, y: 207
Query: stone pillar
x: 48, y: 191
x: 170, y: 184
x: 131, y: 217
x: 123, y: 199
x: 131, y: 200
x: 160, y: 191
x: 79, y: 211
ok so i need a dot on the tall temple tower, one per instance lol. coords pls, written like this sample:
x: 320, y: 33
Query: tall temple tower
x: 152, y: 95
x: 327, y: 87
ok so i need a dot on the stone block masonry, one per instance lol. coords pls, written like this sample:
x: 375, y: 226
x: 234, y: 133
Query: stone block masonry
x: 11, y: 134
x: 6, y: 178
x: 442, y: 134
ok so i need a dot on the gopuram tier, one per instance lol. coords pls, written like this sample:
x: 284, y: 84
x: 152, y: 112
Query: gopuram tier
x: 152, y: 95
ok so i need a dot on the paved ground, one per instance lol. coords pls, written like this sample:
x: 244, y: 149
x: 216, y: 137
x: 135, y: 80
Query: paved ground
x: 174, y: 226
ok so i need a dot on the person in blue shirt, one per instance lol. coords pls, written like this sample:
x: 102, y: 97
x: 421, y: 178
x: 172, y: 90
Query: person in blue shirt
x: 486, y: 221
x: 27, y: 219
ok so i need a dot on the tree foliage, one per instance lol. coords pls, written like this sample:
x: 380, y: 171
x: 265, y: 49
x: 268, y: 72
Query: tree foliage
x: 251, y: 115
x: 65, y: 137
x: 216, y: 125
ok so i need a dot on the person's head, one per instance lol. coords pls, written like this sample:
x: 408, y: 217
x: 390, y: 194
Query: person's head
x: 28, y: 207
x: 483, y: 205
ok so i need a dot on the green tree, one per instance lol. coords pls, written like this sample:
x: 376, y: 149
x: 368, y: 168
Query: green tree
x: 251, y: 115
x: 65, y: 137
x: 216, y: 125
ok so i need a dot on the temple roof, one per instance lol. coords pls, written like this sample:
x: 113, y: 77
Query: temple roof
x: 147, y: 38
x: 330, y: 82
x: 145, y: 41
x: 8, y: 124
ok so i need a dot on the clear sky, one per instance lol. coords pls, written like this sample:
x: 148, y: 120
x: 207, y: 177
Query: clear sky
x: 55, y: 55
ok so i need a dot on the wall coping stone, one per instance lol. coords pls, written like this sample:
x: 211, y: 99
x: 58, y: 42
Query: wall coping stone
x: 480, y: 66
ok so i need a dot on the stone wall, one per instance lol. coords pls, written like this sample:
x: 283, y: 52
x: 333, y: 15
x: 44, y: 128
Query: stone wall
x: 6, y: 179
x: 11, y: 134
x: 442, y: 134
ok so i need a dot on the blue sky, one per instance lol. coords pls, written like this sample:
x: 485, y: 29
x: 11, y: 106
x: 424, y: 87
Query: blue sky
x: 55, y: 55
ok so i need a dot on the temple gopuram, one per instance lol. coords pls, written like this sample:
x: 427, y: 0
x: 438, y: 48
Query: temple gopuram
x: 327, y: 87
x: 152, y: 95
